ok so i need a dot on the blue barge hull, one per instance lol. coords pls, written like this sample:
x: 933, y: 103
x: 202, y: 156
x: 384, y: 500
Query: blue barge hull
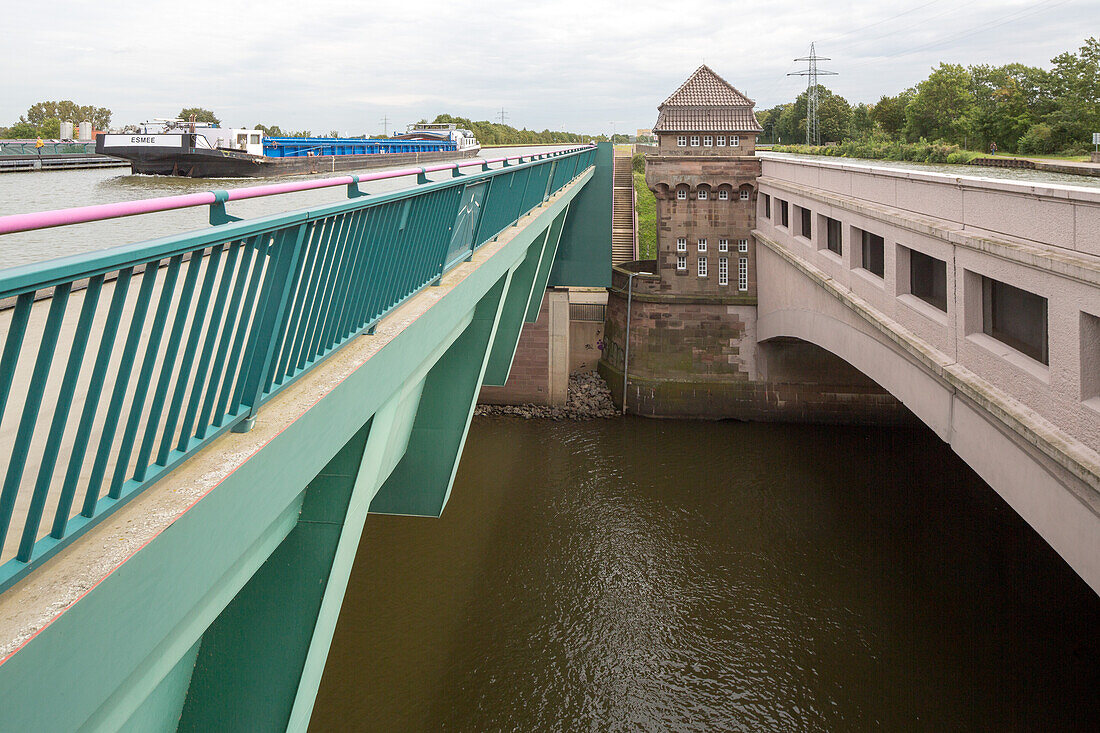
x: 301, y: 159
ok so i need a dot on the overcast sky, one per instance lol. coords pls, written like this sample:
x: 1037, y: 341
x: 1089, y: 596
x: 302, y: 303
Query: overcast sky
x: 580, y: 65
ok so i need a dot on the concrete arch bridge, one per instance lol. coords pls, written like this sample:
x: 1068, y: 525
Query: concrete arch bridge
x: 974, y: 302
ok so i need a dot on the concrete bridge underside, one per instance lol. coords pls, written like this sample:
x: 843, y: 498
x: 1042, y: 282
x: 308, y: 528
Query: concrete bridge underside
x: 209, y: 601
x: 1049, y: 481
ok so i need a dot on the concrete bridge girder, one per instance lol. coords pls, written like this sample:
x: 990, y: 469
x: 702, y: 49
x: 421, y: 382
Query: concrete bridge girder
x: 795, y: 302
x: 232, y: 531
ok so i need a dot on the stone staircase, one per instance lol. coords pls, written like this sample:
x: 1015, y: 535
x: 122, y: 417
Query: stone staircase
x: 624, y: 243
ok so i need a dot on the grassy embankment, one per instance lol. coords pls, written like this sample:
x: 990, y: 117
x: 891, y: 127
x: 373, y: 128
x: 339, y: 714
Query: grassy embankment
x: 646, y: 206
x: 922, y: 152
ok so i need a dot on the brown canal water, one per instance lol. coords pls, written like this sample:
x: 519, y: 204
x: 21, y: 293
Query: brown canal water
x: 668, y: 575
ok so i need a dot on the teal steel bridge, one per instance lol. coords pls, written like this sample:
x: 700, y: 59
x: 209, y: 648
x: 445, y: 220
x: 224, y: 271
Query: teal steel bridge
x: 196, y: 426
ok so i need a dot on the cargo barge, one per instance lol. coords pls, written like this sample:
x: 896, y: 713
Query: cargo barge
x: 198, y: 150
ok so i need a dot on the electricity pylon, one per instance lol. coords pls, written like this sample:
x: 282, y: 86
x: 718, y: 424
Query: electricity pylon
x: 813, y: 135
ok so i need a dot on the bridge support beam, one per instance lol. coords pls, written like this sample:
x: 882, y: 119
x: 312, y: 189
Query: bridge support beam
x: 421, y: 483
x: 524, y: 299
x: 512, y: 314
x: 546, y: 264
x: 243, y: 681
x: 251, y: 659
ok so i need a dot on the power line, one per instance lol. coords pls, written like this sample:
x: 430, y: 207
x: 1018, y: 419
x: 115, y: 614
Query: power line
x: 880, y: 22
x: 1012, y: 18
x: 503, y: 115
x: 813, y: 136
x: 892, y: 32
x: 385, y: 125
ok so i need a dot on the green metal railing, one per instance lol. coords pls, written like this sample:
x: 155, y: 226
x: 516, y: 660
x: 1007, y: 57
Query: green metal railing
x: 27, y: 147
x: 147, y: 352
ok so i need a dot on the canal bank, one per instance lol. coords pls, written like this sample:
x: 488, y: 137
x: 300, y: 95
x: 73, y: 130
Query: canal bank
x: 635, y: 574
x: 75, y: 161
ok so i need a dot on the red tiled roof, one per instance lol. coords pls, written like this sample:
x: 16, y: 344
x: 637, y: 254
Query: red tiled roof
x: 706, y: 88
x: 707, y: 103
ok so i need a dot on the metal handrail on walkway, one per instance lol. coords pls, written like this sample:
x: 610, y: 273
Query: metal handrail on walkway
x: 147, y: 352
x: 99, y: 212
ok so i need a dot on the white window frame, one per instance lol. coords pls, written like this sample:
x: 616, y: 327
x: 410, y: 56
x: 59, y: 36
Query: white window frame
x: 723, y: 195
x: 720, y: 141
x: 681, y: 244
x: 723, y: 271
x: 743, y: 273
x: 735, y: 141
x: 681, y: 194
x: 723, y: 245
x: 681, y: 263
x: 742, y: 245
x: 701, y: 244
x: 708, y: 141
x: 682, y: 141
x: 701, y: 194
x: 744, y: 194
x: 702, y: 267
x: 694, y: 141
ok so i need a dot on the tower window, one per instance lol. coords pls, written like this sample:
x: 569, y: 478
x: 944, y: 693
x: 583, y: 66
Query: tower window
x: 723, y: 195
x: 702, y: 245
x: 735, y: 141
x: 681, y: 194
x: 708, y: 141
x: 682, y: 244
x: 694, y: 141
x: 681, y: 262
x: 682, y: 140
x: 744, y: 194
x: 723, y: 271
x: 702, y: 194
x: 720, y: 141
x: 723, y: 245
x: 702, y: 267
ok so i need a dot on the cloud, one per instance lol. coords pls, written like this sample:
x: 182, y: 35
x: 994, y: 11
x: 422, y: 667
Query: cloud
x: 582, y: 65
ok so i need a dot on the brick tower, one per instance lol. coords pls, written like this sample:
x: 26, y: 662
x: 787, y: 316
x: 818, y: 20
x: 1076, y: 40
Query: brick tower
x: 690, y: 316
x: 692, y: 319
x: 704, y: 177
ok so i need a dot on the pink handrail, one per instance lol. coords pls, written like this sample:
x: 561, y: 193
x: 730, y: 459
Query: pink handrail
x: 99, y: 212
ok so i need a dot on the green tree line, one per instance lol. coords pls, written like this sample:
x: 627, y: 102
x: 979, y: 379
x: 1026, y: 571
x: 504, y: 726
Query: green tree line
x: 43, y: 119
x: 1023, y: 109
x: 494, y: 133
